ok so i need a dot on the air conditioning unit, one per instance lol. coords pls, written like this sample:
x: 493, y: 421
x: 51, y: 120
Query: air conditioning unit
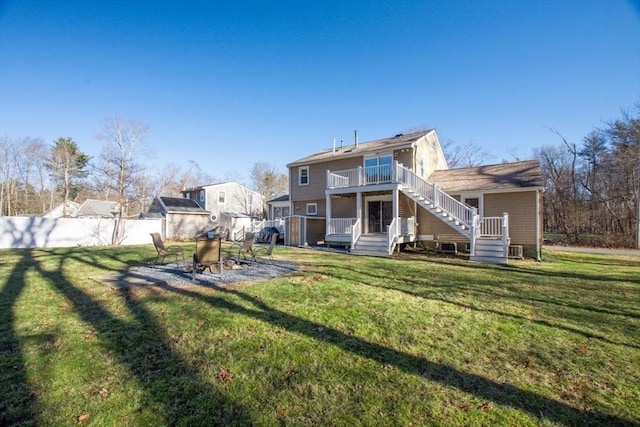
x: 515, y: 251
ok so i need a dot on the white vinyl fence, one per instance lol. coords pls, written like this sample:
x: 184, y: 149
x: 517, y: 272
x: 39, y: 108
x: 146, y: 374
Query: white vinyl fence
x: 38, y: 232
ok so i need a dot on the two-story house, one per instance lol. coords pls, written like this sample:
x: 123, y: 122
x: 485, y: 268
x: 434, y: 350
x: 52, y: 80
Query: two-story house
x: 229, y: 197
x: 373, y: 196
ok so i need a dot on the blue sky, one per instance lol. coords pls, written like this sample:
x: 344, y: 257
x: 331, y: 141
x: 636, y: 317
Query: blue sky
x: 228, y: 84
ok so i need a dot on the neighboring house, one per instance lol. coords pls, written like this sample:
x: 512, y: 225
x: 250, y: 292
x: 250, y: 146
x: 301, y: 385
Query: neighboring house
x: 227, y: 197
x: 375, y: 195
x: 235, y: 224
x: 184, y: 218
x: 278, y: 208
x: 92, y: 208
x: 58, y: 211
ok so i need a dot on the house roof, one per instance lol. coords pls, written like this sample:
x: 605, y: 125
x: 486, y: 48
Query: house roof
x: 102, y: 208
x: 180, y: 204
x: 283, y: 198
x: 504, y: 176
x: 56, y: 211
x: 395, y: 142
x: 218, y: 184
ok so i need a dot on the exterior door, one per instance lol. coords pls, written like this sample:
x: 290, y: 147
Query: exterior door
x: 380, y: 215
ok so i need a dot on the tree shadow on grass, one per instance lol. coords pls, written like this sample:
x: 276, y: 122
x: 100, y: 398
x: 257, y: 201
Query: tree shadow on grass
x: 423, y: 287
x: 536, y: 405
x: 170, y: 384
x: 17, y: 401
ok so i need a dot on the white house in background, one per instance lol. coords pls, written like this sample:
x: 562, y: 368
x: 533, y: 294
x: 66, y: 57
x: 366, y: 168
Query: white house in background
x: 227, y: 197
x: 279, y: 208
x: 58, y: 211
x: 92, y: 208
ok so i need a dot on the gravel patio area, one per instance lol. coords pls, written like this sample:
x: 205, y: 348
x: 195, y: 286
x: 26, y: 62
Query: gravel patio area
x: 179, y: 274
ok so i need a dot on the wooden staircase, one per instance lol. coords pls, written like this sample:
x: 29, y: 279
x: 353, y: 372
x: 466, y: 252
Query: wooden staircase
x: 460, y: 217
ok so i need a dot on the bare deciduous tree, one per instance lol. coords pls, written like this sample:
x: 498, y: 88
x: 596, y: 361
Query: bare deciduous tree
x: 466, y: 155
x: 119, y: 167
x: 267, y: 181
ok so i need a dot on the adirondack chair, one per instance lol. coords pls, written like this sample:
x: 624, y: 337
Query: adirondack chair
x: 268, y: 250
x: 165, y: 251
x: 243, y: 249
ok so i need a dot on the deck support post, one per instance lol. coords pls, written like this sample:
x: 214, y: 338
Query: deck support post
x: 327, y: 214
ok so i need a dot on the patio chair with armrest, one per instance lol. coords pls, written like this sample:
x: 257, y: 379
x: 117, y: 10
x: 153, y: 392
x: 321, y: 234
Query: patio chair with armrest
x: 268, y: 250
x: 165, y: 251
x: 244, y: 248
x: 207, y: 254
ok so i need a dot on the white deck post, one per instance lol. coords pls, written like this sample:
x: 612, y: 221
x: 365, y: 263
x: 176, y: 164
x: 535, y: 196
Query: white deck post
x: 394, y: 172
x: 435, y: 196
x: 327, y: 213
x: 473, y: 232
x: 505, y: 233
x: 359, y: 205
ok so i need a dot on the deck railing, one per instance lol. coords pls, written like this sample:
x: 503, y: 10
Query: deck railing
x: 340, y: 225
x: 398, y: 174
x: 491, y: 226
x: 452, y: 208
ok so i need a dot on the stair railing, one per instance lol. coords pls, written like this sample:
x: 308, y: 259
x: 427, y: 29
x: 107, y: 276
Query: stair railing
x: 392, y: 232
x: 432, y: 193
x: 356, y: 232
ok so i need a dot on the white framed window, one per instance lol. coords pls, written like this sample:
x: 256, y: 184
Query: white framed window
x: 312, y: 209
x: 378, y: 169
x: 303, y: 175
x: 221, y: 196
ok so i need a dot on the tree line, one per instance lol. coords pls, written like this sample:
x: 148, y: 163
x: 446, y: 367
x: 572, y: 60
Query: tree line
x: 592, y: 189
x: 35, y: 176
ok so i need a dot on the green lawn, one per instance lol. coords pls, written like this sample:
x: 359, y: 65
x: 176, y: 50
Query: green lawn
x: 346, y: 341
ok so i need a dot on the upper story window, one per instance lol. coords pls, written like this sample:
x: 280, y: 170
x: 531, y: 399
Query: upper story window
x: 201, y: 196
x: 221, y: 196
x: 378, y: 169
x: 303, y: 175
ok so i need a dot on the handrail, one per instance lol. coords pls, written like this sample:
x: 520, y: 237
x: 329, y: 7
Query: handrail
x: 454, y: 208
x: 392, y: 232
x: 356, y: 232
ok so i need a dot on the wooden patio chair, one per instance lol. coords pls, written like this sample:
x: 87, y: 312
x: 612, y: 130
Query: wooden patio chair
x: 268, y: 250
x: 165, y: 251
x: 244, y: 248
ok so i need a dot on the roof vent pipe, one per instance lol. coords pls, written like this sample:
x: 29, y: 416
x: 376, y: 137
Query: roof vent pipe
x: 355, y: 135
x: 334, y: 146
